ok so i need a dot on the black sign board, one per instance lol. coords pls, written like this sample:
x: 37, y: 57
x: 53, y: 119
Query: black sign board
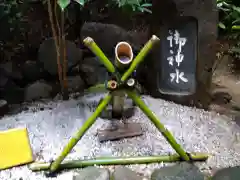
x: 178, y: 52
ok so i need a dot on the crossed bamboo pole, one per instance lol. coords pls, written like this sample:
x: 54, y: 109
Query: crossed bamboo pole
x: 181, y: 154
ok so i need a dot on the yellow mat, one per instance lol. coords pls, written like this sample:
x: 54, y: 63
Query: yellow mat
x: 15, y: 148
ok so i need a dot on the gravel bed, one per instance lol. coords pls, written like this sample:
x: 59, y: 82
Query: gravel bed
x: 51, y: 128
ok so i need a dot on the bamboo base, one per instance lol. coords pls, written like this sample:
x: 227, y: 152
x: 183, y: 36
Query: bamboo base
x: 123, y: 131
x: 40, y: 166
x: 182, y: 154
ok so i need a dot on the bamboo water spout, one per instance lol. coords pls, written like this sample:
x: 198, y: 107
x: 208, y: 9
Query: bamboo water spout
x: 123, y: 59
x: 123, y: 77
x: 123, y: 55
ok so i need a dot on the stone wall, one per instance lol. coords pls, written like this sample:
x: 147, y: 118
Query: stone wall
x: 19, y: 82
x: 164, y: 12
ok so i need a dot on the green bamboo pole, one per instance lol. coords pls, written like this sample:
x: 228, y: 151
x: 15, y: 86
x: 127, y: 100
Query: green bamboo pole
x: 73, y: 141
x: 40, y: 166
x: 236, y: 27
x: 169, y: 137
x: 140, y: 57
x: 89, y: 42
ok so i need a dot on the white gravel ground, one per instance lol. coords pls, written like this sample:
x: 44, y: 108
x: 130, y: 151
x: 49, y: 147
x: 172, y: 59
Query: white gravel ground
x: 196, y: 130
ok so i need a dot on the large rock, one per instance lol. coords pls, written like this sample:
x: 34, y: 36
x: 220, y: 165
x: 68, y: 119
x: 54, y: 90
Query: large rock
x: 92, y: 71
x: 11, y: 71
x: 38, y: 90
x: 48, y: 56
x: 182, y: 171
x: 9, y: 90
x: 92, y: 173
x: 108, y: 35
x: 75, y: 84
x: 167, y: 14
x: 231, y: 173
x: 122, y: 173
x: 31, y: 71
x: 10, y: 83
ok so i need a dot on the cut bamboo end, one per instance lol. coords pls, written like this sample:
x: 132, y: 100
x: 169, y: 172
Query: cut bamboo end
x: 131, y: 82
x: 123, y: 54
x: 88, y: 40
x: 155, y: 38
x: 112, y: 84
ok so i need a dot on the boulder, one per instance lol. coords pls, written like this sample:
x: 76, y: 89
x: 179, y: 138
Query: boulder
x: 183, y: 171
x: 92, y: 173
x: 122, y: 173
x: 108, y: 35
x: 48, y: 57
x: 31, y: 71
x: 37, y: 90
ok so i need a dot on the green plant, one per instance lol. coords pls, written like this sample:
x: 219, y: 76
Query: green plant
x: 234, y: 50
x: 229, y: 15
x: 9, y: 11
x: 12, y: 22
x: 134, y: 5
x: 229, y: 23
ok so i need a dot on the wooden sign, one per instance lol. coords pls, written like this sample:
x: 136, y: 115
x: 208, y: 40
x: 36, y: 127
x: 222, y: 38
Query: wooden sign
x: 178, y: 52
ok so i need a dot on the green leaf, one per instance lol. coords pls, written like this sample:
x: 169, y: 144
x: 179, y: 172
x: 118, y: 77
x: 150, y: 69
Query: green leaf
x: 235, y: 50
x: 140, y: 9
x: 221, y: 25
x: 236, y: 9
x: 219, y: 5
x: 133, y: 8
x: 81, y: 2
x: 63, y: 4
x: 147, y: 10
x: 121, y: 3
x: 237, y: 21
x: 146, y: 5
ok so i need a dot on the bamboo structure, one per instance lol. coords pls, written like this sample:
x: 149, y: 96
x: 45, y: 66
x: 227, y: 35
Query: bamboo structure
x: 123, y: 59
x: 130, y: 91
x: 117, y: 161
x: 73, y: 141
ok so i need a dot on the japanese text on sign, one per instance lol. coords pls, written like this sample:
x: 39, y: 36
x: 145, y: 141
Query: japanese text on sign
x: 176, y: 57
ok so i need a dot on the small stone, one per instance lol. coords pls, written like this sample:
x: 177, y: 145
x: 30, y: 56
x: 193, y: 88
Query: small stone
x: 183, y: 171
x: 37, y: 91
x: 123, y: 173
x: 92, y: 173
